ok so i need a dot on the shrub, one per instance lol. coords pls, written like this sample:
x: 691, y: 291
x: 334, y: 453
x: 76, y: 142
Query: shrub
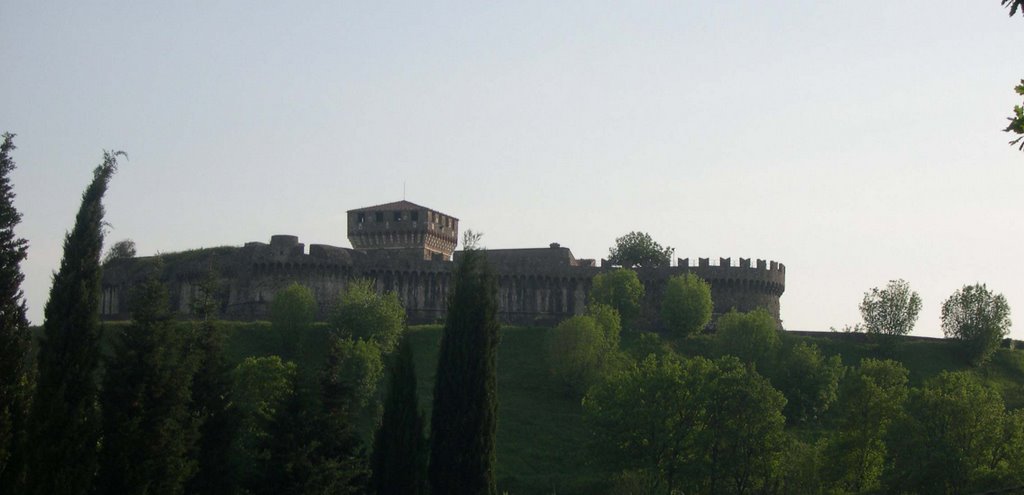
x: 687, y: 305
x: 620, y: 289
x: 752, y: 336
x: 576, y: 349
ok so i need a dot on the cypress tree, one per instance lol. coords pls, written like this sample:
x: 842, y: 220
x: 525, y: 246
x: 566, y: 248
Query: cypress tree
x: 211, y: 399
x: 64, y: 423
x: 341, y: 456
x: 464, y: 419
x: 15, y: 342
x: 399, y: 448
x: 148, y: 427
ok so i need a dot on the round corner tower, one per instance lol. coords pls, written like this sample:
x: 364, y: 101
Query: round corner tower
x: 405, y: 229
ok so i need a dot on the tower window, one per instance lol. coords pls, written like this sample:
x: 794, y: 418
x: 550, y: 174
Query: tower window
x: 362, y: 218
x: 379, y: 217
x: 398, y: 216
x: 414, y: 216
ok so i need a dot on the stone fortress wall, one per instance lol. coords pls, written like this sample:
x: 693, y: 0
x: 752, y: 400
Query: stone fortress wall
x: 535, y: 285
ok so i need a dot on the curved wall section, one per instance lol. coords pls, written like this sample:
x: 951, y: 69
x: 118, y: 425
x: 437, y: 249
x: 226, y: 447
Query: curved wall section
x: 535, y: 286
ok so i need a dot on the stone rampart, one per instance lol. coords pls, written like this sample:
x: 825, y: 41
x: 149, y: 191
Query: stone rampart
x: 535, y: 286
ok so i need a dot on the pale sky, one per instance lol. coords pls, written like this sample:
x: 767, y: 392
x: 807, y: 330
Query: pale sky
x: 855, y: 142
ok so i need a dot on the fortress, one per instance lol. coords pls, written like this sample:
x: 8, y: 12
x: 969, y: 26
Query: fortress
x: 409, y: 249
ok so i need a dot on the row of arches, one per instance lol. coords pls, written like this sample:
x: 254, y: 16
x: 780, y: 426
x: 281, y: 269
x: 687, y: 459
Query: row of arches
x: 518, y: 295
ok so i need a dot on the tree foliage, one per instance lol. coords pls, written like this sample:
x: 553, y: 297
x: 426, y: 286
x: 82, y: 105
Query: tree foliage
x: 148, y: 426
x: 464, y: 418
x: 65, y: 420
x: 364, y: 314
x: 620, y: 289
x: 292, y: 313
x: 687, y: 305
x: 261, y: 387
x: 694, y: 425
x: 399, y: 462
x: 348, y: 384
x: 871, y: 398
x: 638, y: 249
x: 609, y: 321
x: 892, y: 310
x: 1016, y: 124
x: 121, y: 250
x: 809, y: 380
x: 753, y: 337
x: 576, y: 351
x: 978, y: 318
x: 355, y: 369
x: 1013, y: 5
x: 15, y: 341
x: 953, y: 439
x: 211, y: 397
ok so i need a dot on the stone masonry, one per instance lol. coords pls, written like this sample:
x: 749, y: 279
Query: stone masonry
x: 408, y: 249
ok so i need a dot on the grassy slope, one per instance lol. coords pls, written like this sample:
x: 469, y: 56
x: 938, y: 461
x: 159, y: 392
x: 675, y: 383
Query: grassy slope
x: 541, y: 436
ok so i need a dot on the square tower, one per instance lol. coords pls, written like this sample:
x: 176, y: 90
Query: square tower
x: 404, y: 229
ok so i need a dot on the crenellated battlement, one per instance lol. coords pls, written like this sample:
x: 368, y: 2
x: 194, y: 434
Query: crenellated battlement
x: 728, y: 263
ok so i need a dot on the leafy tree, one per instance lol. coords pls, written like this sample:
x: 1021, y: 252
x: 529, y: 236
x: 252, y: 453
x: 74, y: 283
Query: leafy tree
x: 15, y: 341
x: 687, y: 306
x: 310, y: 444
x: 355, y: 368
x: 948, y: 442
x: 800, y: 467
x: 620, y: 289
x: 211, y: 398
x: 639, y: 249
x: 978, y: 318
x: 576, y: 351
x: 262, y: 386
x: 1010, y: 452
x: 363, y: 314
x: 148, y: 428
x: 892, y: 310
x: 649, y: 415
x: 871, y: 398
x: 753, y: 337
x: 609, y: 321
x: 348, y: 383
x: 648, y: 344
x: 292, y: 313
x: 809, y: 380
x: 690, y: 426
x: 464, y: 418
x: 64, y: 423
x: 744, y: 437
x: 121, y: 250
x: 399, y: 460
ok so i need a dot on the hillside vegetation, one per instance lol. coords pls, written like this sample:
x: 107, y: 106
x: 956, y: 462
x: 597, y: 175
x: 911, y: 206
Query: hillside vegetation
x: 543, y: 441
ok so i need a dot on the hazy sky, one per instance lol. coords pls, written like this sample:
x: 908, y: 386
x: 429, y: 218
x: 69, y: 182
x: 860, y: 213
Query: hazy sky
x: 856, y: 142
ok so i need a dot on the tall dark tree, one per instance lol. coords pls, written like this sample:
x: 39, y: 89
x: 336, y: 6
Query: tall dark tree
x: 148, y: 426
x: 348, y: 379
x: 15, y: 342
x: 65, y: 423
x: 400, y: 450
x: 464, y: 419
x: 211, y: 398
